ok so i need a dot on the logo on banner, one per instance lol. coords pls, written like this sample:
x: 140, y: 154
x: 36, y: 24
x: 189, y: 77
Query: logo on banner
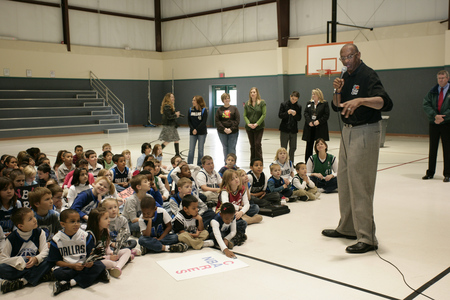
x: 210, y: 263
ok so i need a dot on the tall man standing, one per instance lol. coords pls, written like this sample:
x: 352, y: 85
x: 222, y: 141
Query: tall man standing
x: 360, y: 97
x: 436, y: 105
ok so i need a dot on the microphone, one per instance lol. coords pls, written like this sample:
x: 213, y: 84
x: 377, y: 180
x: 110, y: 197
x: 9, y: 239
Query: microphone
x: 344, y: 69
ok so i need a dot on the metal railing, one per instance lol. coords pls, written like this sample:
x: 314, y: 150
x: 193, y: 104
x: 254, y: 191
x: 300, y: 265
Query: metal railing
x: 110, y: 98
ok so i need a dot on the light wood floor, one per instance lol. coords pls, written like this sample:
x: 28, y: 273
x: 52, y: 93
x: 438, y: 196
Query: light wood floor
x: 412, y: 218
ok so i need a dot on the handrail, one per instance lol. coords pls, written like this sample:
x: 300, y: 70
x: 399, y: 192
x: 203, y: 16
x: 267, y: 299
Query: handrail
x: 110, y: 98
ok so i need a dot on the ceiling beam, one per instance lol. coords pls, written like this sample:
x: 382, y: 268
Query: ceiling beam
x: 283, y: 22
x: 219, y: 10
x: 65, y: 23
x: 158, y: 36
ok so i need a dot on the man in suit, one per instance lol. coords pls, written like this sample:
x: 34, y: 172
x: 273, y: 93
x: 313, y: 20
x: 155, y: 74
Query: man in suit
x: 436, y: 105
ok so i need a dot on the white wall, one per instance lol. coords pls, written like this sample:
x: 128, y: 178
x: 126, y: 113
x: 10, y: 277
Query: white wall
x: 397, y: 47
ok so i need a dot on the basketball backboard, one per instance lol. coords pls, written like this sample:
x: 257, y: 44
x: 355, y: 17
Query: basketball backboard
x: 324, y: 59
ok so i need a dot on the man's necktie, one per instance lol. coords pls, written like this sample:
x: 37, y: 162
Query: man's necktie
x: 441, y: 99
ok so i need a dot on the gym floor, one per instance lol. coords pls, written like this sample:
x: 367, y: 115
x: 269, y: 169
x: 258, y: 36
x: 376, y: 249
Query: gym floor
x: 287, y: 256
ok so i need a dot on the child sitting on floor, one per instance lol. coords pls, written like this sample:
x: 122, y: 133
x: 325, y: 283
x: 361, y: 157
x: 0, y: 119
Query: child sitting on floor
x: 118, y: 225
x: 188, y: 224
x: 98, y: 224
x: 277, y: 184
x: 155, y: 225
x: 22, y: 260
x: 42, y: 203
x: 302, y: 186
x: 223, y: 229
x: 230, y: 164
x: 69, y: 250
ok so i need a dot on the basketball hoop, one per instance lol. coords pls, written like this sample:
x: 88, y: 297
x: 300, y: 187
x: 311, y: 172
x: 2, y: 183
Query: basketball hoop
x: 321, y: 72
x: 324, y: 72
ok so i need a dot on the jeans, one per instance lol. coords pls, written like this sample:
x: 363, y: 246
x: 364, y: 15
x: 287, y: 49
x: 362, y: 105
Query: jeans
x: 134, y: 227
x: 154, y: 245
x: 84, y: 278
x: 228, y: 143
x: 32, y: 275
x: 328, y: 186
x: 253, y: 210
x: 201, y: 145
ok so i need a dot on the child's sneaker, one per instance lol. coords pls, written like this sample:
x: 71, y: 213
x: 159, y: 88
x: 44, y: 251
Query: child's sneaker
x: 303, y: 198
x: 104, y: 276
x: 230, y: 245
x: 143, y: 250
x: 60, y: 286
x: 11, y: 285
x: 179, y: 247
x: 208, y: 243
x: 292, y: 198
x: 283, y: 200
x: 136, y: 252
x: 48, y: 277
x: 115, y: 272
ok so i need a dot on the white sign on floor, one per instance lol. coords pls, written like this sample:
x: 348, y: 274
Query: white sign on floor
x: 202, y: 264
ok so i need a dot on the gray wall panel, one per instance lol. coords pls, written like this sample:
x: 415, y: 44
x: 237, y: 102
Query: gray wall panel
x: 406, y: 88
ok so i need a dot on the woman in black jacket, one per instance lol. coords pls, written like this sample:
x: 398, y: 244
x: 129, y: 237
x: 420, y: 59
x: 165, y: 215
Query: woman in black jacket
x: 197, y: 116
x: 290, y: 114
x: 316, y: 115
x: 169, y: 133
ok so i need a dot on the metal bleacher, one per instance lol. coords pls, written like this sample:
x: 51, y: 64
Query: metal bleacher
x: 25, y: 113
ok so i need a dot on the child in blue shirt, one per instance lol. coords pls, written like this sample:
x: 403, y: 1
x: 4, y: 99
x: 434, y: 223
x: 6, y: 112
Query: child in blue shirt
x: 276, y: 184
x: 42, y: 203
x: 121, y: 173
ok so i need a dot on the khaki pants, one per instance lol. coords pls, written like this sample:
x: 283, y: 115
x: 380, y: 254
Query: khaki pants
x: 211, y: 196
x: 195, y: 243
x: 310, y: 193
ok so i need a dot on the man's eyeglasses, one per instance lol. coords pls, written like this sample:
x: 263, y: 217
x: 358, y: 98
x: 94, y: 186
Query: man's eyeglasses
x: 347, y: 57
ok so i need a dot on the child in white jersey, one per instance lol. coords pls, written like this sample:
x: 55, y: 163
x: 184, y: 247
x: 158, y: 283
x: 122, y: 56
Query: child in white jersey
x: 69, y: 250
x: 286, y: 166
x: 302, y: 186
x: 22, y: 260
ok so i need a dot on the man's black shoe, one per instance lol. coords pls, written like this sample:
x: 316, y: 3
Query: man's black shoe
x: 427, y: 177
x: 361, y: 248
x: 335, y: 234
x: 446, y: 179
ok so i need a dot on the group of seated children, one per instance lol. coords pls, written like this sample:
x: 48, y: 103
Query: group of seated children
x: 87, y: 238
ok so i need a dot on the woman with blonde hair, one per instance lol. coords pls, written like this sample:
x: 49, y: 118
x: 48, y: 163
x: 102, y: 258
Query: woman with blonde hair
x: 254, y: 115
x: 316, y: 115
x: 169, y: 133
